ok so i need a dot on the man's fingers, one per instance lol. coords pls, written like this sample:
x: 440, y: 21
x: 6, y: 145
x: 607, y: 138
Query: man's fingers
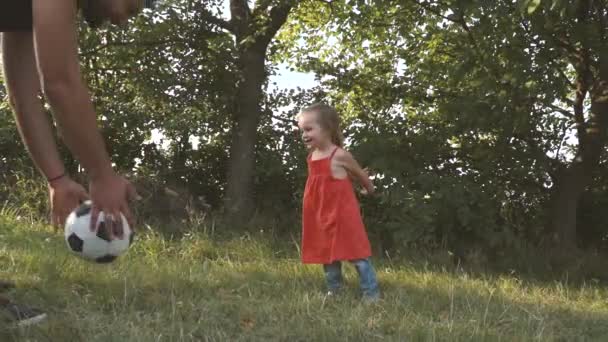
x: 54, y: 220
x: 94, y: 217
x: 108, y: 220
x: 58, y: 218
x: 83, y: 196
x: 129, y: 216
x: 114, y: 224
x: 118, y: 227
x: 132, y: 193
x: 63, y: 217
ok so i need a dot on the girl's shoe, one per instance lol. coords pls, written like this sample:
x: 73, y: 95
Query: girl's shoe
x: 370, y: 299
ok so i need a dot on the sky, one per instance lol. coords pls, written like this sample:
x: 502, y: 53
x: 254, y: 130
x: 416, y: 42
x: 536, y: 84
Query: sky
x: 286, y: 79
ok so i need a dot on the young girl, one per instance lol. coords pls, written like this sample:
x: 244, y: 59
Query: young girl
x: 332, y: 228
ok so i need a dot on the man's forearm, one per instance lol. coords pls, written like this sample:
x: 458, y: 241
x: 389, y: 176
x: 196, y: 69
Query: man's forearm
x: 74, y: 112
x: 56, y: 41
x: 35, y: 129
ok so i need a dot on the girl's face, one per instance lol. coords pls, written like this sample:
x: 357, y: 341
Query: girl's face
x: 313, y: 135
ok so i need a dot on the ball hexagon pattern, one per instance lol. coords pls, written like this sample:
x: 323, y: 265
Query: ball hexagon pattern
x: 97, y: 245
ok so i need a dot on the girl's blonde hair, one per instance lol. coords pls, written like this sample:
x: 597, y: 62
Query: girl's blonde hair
x: 329, y: 120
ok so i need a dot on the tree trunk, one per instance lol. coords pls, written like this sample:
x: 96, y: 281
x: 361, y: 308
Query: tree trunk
x: 570, y: 186
x: 239, y: 200
x: 253, y: 31
x: 572, y: 183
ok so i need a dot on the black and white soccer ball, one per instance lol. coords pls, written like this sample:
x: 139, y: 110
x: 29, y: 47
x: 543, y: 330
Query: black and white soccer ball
x: 95, y: 245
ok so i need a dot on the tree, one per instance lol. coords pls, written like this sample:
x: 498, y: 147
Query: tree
x: 253, y: 30
x: 578, y: 32
x: 194, y: 67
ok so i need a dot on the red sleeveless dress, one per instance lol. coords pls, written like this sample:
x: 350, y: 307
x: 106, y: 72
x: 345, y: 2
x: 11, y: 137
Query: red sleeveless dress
x: 332, y: 228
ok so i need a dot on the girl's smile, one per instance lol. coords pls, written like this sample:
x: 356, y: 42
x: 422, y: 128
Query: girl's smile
x: 313, y: 134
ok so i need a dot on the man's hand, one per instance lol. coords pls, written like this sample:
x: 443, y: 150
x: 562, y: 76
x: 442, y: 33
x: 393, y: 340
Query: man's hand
x: 64, y: 195
x: 110, y: 193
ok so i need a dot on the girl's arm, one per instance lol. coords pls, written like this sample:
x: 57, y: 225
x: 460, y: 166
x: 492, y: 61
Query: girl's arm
x: 346, y: 160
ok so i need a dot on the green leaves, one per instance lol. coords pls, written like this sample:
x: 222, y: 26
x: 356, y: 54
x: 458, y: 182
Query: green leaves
x: 532, y: 5
x: 444, y: 99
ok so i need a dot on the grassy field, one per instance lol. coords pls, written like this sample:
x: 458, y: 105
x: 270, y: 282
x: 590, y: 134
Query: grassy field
x: 199, y: 288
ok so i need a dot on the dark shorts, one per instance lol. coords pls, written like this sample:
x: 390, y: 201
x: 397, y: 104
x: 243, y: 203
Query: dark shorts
x: 15, y: 15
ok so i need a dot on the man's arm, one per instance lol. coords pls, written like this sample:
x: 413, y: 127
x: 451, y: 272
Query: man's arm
x: 34, y: 124
x: 23, y: 85
x: 55, y: 41
x: 56, y: 46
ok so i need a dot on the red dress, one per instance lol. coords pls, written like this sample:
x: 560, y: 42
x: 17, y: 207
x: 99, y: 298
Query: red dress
x: 332, y: 228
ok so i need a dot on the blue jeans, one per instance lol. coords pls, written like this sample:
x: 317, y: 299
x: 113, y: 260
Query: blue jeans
x: 367, y: 277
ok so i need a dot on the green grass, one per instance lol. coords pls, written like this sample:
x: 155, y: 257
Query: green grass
x: 245, y: 289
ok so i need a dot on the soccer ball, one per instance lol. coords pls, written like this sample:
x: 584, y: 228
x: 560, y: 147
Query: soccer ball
x: 94, y: 246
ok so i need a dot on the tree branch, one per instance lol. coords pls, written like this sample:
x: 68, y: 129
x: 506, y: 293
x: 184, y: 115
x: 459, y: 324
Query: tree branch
x: 535, y: 39
x: 240, y: 15
x: 219, y: 22
x: 601, y: 18
x: 261, y: 6
x: 427, y: 6
x: 128, y: 43
x: 209, y: 17
x: 539, y: 153
x: 584, y: 77
x: 562, y: 140
x: 562, y: 111
x: 290, y: 122
x: 458, y: 18
x: 278, y: 17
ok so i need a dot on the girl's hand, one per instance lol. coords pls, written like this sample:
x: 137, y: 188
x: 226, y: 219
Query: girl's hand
x: 372, y: 190
x: 367, y: 192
